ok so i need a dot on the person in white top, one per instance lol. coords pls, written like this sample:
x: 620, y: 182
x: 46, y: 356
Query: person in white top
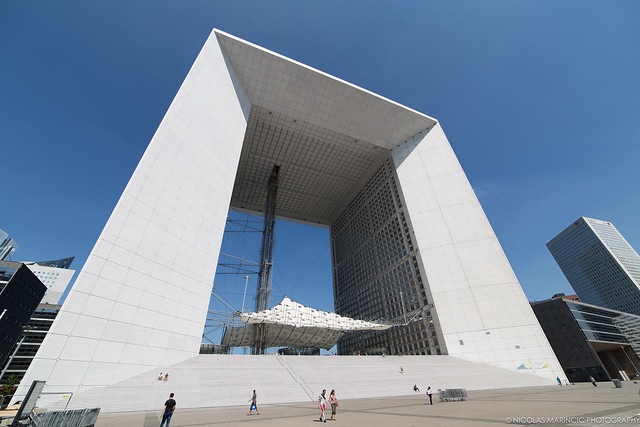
x: 322, y: 404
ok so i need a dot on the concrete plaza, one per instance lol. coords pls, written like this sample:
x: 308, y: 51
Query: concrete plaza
x: 579, y: 405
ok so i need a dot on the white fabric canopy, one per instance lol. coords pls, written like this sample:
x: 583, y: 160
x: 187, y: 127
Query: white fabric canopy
x: 283, y: 336
x: 293, y: 314
x: 295, y: 325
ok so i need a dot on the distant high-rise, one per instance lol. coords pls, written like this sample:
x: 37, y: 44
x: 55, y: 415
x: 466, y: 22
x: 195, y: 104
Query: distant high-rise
x: 20, y: 294
x: 7, y: 246
x: 58, y: 263
x: 55, y: 275
x: 56, y: 279
x: 600, y: 264
x: 18, y: 360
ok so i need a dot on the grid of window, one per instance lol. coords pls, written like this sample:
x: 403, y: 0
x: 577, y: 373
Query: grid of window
x: 376, y: 273
x: 47, y: 277
x: 26, y: 348
x: 319, y: 167
x: 601, y: 266
x: 7, y: 246
x: 617, y: 244
x: 565, y: 334
x: 599, y: 324
x: 629, y: 325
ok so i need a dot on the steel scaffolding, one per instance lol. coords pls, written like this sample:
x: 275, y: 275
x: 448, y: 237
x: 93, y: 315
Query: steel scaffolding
x: 263, y: 291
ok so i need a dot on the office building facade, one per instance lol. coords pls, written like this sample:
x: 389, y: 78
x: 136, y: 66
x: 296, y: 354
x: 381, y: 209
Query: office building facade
x: 599, y: 263
x: 17, y: 362
x: 56, y: 280
x: 55, y: 276
x: 382, y: 177
x: 591, y: 341
x: 7, y: 246
x: 376, y: 272
x: 58, y: 263
x: 20, y: 294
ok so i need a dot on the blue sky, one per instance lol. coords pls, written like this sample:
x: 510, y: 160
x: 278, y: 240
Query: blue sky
x: 540, y: 101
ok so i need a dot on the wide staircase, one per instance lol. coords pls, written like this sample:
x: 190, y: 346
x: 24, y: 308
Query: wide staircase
x: 229, y: 380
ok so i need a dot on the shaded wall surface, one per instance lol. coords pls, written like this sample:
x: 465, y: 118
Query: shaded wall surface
x: 20, y: 294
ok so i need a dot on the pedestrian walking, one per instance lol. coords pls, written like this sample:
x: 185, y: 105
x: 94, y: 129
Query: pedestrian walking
x: 430, y: 394
x: 167, y: 411
x: 593, y: 381
x: 254, y: 403
x: 333, y: 400
x: 322, y: 404
x: 559, y: 382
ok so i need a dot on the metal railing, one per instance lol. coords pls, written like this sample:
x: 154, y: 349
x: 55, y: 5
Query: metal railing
x: 297, y: 378
x: 69, y: 418
x: 450, y: 394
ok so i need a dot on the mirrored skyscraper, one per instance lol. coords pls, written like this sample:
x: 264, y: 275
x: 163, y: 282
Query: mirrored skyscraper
x: 600, y: 264
x: 7, y: 246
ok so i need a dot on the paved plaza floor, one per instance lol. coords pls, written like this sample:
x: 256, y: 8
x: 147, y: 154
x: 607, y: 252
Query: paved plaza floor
x: 577, y: 405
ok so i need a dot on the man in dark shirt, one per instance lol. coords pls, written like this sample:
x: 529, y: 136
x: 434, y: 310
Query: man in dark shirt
x: 167, y: 411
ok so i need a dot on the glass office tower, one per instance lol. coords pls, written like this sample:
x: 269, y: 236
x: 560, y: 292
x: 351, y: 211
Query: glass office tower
x: 600, y: 264
x: 20, y: 294
x: 7, y: 246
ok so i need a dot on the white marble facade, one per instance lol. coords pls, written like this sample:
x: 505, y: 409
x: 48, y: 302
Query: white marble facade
x: 481, y: 311
x: 141, y: 299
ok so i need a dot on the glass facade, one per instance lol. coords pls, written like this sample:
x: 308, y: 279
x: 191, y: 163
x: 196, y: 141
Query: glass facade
x: 599, y: 264
x: 27, y: 346
x: 590, y: 340
x: 58, y: 263
x: 20, y: 294
x: 599, y: 324
x: 7, y: 246
x: 376, y: 274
